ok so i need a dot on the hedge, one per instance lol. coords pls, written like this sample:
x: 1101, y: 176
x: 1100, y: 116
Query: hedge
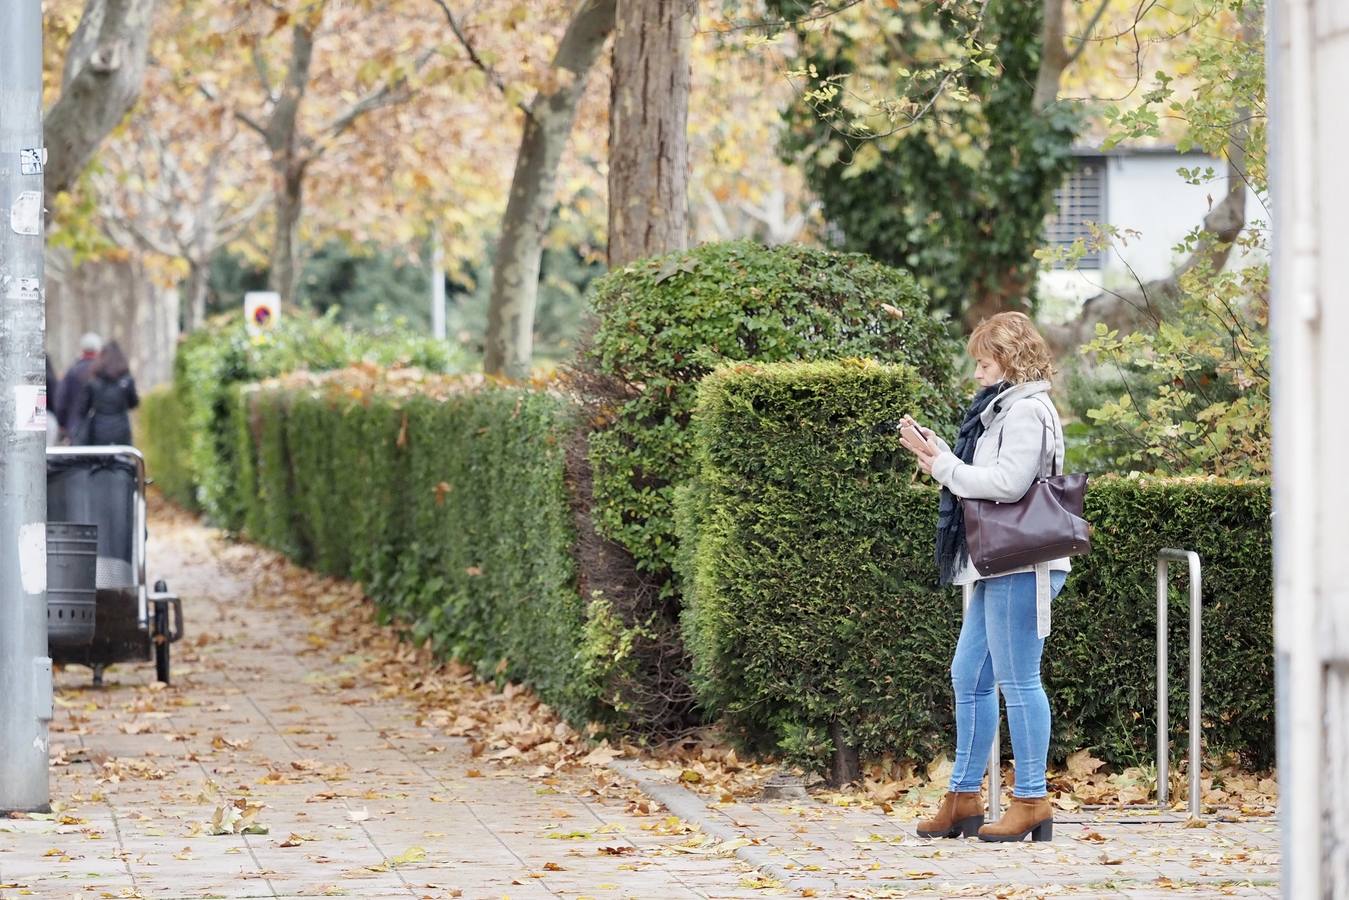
x: 212, y: 364
x: 161, y: 434
x: 805, y: 565
x: 661, y: 325
x: 808, y: 572
x: 452, y: 510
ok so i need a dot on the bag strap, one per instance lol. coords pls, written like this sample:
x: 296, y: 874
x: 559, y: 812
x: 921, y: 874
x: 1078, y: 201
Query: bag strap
x: 1044, y: 443
x: 1054, y: 457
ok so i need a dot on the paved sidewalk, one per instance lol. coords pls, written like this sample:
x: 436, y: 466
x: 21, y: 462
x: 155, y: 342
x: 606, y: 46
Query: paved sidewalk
x: 275, y: 720
x: 359, y: 800
x: 845, y: 850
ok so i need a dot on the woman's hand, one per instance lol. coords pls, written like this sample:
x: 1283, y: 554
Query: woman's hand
x: 918, y: 441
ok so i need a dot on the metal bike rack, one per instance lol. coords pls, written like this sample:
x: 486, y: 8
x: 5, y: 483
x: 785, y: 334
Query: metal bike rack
x: 1164, y: 557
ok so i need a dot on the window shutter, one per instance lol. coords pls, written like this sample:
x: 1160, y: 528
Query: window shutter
x: 1079, y: 200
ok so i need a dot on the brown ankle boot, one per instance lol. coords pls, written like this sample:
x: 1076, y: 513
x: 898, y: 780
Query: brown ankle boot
x: 1024, y: 817
x: 960, y: 815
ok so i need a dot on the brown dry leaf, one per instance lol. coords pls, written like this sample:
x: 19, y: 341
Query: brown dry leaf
x: 1082, y: 764
x: 553, y: 867
x: 1093, y: 836
x: 617, y: 850
x: 220, y: 742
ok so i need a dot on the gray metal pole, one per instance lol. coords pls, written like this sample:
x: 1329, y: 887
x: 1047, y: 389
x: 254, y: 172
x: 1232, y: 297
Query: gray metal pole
x: 25, y: 669
x: 1196, y: 678
x: 437, y: 286
x: 1196, y: 682
x: 1163, y: 703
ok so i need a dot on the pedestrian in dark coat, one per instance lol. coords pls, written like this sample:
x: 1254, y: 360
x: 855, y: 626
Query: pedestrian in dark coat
x: 101, y: 413
x: 53, y: 429
x: 69, y: 389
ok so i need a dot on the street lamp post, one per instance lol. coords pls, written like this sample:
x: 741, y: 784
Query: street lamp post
x: 25, y: 669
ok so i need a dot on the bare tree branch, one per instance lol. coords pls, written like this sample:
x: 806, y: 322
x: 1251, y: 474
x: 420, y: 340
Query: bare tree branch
x: 104, y: 67
x: 493, y: 78
x: 389, y: 94
x: 1085, y: 37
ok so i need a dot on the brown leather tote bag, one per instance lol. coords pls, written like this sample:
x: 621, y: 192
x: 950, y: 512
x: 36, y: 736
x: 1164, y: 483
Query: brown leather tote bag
x: 1044, y: 524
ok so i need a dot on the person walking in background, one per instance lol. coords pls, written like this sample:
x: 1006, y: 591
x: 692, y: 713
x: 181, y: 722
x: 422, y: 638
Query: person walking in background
x: 101, y: 413
x: 1011, y: 435
x: 53, y: 427
x: 73, y: 382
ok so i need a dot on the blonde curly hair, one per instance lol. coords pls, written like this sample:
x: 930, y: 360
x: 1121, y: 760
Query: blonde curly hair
x: 1011, y: 340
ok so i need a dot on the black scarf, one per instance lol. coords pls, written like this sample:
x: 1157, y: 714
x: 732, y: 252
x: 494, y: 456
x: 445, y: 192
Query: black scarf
x: 951, y: 515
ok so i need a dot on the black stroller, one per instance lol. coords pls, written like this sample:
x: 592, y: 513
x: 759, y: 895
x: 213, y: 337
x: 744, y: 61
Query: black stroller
x: 96, y: 525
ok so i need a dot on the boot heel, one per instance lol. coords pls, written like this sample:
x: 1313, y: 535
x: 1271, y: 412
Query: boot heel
x: 1043, y: 832
x: 969, y: 826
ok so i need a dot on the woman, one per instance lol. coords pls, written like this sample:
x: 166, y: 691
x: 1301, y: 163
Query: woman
x: 1011, y: 435
x: 101, y: 411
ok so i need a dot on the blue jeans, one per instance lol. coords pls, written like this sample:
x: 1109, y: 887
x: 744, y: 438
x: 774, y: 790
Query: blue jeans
x: 998, y: 643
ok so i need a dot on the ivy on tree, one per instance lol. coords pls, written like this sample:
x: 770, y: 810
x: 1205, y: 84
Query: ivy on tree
x: 925, y: 140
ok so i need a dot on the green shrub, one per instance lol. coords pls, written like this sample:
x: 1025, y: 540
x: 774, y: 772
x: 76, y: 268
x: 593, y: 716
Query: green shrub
x: 660, y: 325
x: 212, y: 362
x: 1100, y: 663
x: 807, y: 565
x: 453, y: 511
x: 161, y: 434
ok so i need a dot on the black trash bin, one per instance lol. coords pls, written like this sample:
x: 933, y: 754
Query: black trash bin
x: 72, y: 567
x: 100, y: 491
x: 104, y: 490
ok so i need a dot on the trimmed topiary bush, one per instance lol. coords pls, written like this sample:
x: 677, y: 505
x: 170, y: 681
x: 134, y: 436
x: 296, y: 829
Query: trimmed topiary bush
x: 1100, y: 663
x: 452, y: 510
x: 806, y: 562
x: 214, y: 362
x: 161, y: 434
x: 660, y: 325
x: 812, y: 612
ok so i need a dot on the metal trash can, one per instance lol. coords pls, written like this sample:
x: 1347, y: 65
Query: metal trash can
x: 72, y: 572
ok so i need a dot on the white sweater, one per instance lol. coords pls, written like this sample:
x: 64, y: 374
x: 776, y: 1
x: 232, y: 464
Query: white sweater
x: 1021, y: 430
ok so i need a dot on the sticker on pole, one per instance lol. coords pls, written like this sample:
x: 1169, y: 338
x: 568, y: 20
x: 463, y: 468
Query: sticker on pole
x: 25, y: 216
x: 21, y: 288
x: 262, y: 311
x: 30, y: 407
x: 31, y: 161
x: 33, y: 557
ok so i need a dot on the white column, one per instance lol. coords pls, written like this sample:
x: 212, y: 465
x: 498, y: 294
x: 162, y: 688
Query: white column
x: 1309, y: 125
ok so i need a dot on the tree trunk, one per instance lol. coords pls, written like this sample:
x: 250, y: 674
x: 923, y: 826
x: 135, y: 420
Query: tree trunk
x: 548, y: 121
x: 289, y: 206
x: 117, y: 300
x: 846, y: 769
x: 648, y: 129
x: 991, y: 299
x: 198, y: 275
x: 105, y: 65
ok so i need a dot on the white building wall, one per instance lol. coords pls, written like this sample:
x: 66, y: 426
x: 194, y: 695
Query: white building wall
x: 1154, y: 207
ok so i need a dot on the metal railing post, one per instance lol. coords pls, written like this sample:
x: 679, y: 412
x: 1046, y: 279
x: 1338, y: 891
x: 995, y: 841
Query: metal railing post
x: 1164, y: 557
